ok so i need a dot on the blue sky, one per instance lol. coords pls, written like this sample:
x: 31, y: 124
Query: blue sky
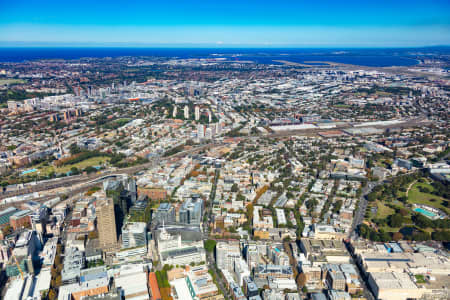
x: 306, y: 23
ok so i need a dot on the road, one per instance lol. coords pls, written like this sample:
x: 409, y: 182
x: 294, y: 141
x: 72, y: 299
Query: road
x: 220, y: 282
x: 73, y: 180
x: 361, y: 211
x: 359, y: 215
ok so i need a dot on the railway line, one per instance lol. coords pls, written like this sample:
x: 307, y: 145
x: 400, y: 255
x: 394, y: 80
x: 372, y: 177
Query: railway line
x: 96, y: 178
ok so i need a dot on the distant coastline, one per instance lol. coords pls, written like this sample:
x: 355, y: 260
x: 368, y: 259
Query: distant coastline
x: 371, y: 57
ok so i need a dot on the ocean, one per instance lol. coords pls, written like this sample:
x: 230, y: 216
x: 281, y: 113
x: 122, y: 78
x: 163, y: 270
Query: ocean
x: 362, y: 57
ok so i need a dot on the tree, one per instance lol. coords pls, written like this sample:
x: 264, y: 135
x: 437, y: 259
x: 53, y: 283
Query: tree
x: 74, y: 171
x: 395, y: 220
x: 397, y: 236
x: 441, y: 236
x: 52, y: 294
x: 74, y: 149
x: 311, y: 203
x: 234, y: 188
x: 373, y: 236
x: 301, y: 279
x: 385, y: 236
x: 422, y: 221
x: 58, y: 280
x: 90, y: 170
x: 92, y: 235
x: 371, y: 197
x: 403, y: 212
x: 364, y: 230
x: 210, y: 245
x: 421, y: 236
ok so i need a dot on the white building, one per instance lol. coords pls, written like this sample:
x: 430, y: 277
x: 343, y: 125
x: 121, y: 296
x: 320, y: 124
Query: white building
x: 197, y: 113
x: 133, y: 280
x: 226, y: 254
x: 186, y: 112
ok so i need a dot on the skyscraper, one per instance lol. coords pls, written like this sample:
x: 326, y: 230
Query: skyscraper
x: 175, y: 111
x: 186, y: 112
x: 200, y: 131
x: 218, y: 128
x: 197, y: 113
x: 208, y: 134
x: 106, y: 223
x: 191, y: 211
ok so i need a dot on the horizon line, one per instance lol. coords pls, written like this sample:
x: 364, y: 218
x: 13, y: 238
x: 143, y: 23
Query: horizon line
x: 50, y: 44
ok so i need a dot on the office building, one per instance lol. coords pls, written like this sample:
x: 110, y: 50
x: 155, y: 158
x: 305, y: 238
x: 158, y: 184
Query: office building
x: 191, y: 211
x: 134, y: 234
x: 173, y: 251
x: 226, y: 254
x: 197, y: 113
x: 72, y: 265
x: 132, y: 279
x: 106, y: 222
x: 200, y: 131
x: 208, y: 133
x: 250, y: 288
x: 174, y: 112
x: 186, y: 112
x: 165, y: 213
x: 6, y: 213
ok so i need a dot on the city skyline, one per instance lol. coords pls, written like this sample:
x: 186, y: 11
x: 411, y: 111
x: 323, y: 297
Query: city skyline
x: 230, y: 24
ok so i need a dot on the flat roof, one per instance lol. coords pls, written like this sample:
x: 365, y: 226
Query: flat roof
x: 182, y: 289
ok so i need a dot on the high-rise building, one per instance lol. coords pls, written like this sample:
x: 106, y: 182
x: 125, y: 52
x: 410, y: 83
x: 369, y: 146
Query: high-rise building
x: 251, y: 255
x: 219, y: 128
x: 106, y: 223
x: 53, y: 118
x: 191, y: 211
x: 197, y: 113
x: 208, y: 134
x: 66, y: 115
x: 226, y: 254
x: 186, y: 112
x: 134, y: 234
x: 200, y: 131
x: 165, y: 213
x: 209, y: 116
x: 13, y: 106
x: 175, y: 111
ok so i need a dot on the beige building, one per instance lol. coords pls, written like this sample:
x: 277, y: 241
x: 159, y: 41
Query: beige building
x: 106, y: 223
x: 394, y: 286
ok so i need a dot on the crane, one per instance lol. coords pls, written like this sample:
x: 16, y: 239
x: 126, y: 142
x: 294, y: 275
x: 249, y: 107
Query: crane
x: 17, y: 264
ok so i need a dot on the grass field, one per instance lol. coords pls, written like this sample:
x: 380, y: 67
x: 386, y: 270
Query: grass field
x: 383, y: 211
x: 11, y: 81
x: 93, y: 161
x: 416, y: 196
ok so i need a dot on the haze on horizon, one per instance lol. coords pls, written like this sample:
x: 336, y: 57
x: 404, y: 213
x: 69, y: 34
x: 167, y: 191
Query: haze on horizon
x: 230, y: 23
